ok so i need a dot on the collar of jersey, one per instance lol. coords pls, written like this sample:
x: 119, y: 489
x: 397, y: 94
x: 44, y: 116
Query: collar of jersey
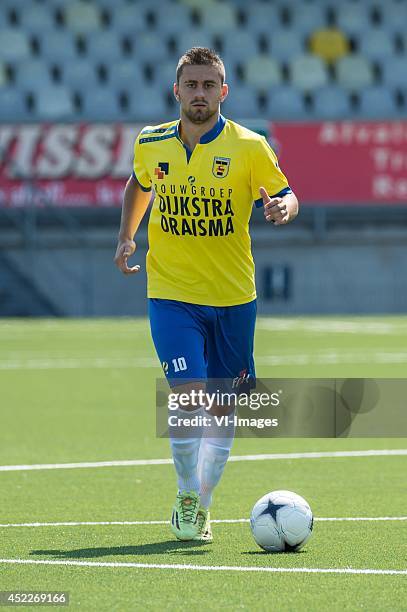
x: 209, y: 136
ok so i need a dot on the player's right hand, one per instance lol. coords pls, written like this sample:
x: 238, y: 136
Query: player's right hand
x: 125, y: 249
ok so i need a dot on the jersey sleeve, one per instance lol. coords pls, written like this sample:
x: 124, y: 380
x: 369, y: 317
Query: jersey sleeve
x: 265, y: 172
x: 140, y: 172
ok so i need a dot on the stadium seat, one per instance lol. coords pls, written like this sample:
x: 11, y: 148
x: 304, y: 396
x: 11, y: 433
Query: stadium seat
x: 308, y: 72
x: 217, y: 18
x: 149, y: 47
x: 53, y: 103
x: 376, y: 44
x: 12, y: 105
x: 331, y: 102
x: 261, y: 72
x: 58, y: 46
x: 100, y: 104
x: 148, y: 105
x: 246, y: 47
x: 104, y: 46
x: 37, y: 19
x: 195, y: 37
x: 394, y: 70
x: 32, y: 74
x: 75, y: 73
x: 393, y: 16
x: 377, y: 103
x: 306, y: 17
x: 329, y: 44
x: 353, y: 17
x: 164, y: 73
x: 3, y: 76
x: 285, y: 44
x: 242, y: 103
x: 172, y: 18
x: 354, y: 72
x: 196, y: 3
x: 14, y: 45
x: 286, y: 103
x: 127, y: 75
x: 82, y: 17
x: 263, y: 18
x: 128, y: 19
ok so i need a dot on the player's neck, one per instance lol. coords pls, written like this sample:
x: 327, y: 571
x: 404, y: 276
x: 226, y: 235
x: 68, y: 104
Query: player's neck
x: 191, y: 133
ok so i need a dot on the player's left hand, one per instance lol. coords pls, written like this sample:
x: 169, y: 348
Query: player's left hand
x: 275, y: 209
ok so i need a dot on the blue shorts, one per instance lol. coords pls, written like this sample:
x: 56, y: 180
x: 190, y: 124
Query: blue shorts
x: 197, y: 342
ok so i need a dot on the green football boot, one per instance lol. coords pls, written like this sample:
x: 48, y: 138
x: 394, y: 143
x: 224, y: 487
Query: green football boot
x: 184, y: 523
x: 204, y: 526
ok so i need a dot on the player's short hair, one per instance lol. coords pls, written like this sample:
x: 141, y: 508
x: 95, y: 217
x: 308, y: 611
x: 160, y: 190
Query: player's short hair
x: 201, y: 56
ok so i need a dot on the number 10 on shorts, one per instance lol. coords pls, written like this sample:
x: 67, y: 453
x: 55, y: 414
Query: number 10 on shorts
x: 179, y: 364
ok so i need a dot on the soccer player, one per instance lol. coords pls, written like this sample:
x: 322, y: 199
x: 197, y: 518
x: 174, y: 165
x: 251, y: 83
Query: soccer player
x: 206, y: 172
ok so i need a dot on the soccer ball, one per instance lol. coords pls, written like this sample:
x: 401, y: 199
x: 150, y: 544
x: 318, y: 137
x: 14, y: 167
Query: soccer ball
x: 281, y: 521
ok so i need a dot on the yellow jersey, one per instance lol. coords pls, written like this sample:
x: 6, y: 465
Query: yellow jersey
x: 198, y: 231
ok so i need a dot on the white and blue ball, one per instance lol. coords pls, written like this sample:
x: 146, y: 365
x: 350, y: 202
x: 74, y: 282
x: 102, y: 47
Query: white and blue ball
x: 281, y: 521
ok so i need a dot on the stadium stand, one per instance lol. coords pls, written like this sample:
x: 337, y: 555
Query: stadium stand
x: 328, y: 51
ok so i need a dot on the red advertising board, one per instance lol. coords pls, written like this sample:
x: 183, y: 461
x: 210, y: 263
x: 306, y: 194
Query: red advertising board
x: 87, y: 165
x: 344, y: 162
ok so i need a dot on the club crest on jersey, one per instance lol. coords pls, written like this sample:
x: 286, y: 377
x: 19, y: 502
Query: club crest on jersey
x: 162, y: 169
x: 220, y: 167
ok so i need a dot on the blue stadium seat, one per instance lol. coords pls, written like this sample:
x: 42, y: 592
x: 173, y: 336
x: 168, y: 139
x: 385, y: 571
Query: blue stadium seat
x: 218, y: 18
x: 12, y: 105
x: 32, y: 74
x: 331, y: 102
x: 238, y: 46
x: 354, y: 72
x: 261, y: 71
x: 100, y: 104
x: 394, y: 70
x: 242, y: 103
x: 195, y: 37
x: 376, y: 44
x: 81, y: 17
x: 129, y: 19
x: 393, y: 16
x: 3, y: 76
x: 104, y: 46
x: 285, y: 44
x: 58, y: 46
x: 14, y: 45
x: 308, y: 72
x: 79, y: 73
x: 377, y: 103
x: 53, y: 103
x: 164, y: 74
x: 149, y: 47
x: 148, y: 105
x: 353, y: 17
x: 37, y: 19
x: 263, y: 18
x: 126, y: 75
x: 286, y: 103
x: 171, y: 19
x: 306, y: 18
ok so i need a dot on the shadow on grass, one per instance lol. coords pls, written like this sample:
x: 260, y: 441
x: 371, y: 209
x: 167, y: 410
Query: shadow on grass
x: 274, y: 554
x: 156, y: 548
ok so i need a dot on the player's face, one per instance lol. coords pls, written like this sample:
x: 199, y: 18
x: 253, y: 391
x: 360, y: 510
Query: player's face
x: 200, y: 92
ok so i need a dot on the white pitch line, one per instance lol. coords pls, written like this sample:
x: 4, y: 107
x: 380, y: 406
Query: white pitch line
x: 233, y: 458
x: 211, y: 568
x: 240, y: 520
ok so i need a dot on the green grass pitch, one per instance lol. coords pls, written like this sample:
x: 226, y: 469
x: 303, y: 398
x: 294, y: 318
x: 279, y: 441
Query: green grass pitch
x: 75, y: 391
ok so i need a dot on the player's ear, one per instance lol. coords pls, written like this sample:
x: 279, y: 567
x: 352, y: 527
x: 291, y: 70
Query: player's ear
x: 224, y: 92
x: 176, y: 92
